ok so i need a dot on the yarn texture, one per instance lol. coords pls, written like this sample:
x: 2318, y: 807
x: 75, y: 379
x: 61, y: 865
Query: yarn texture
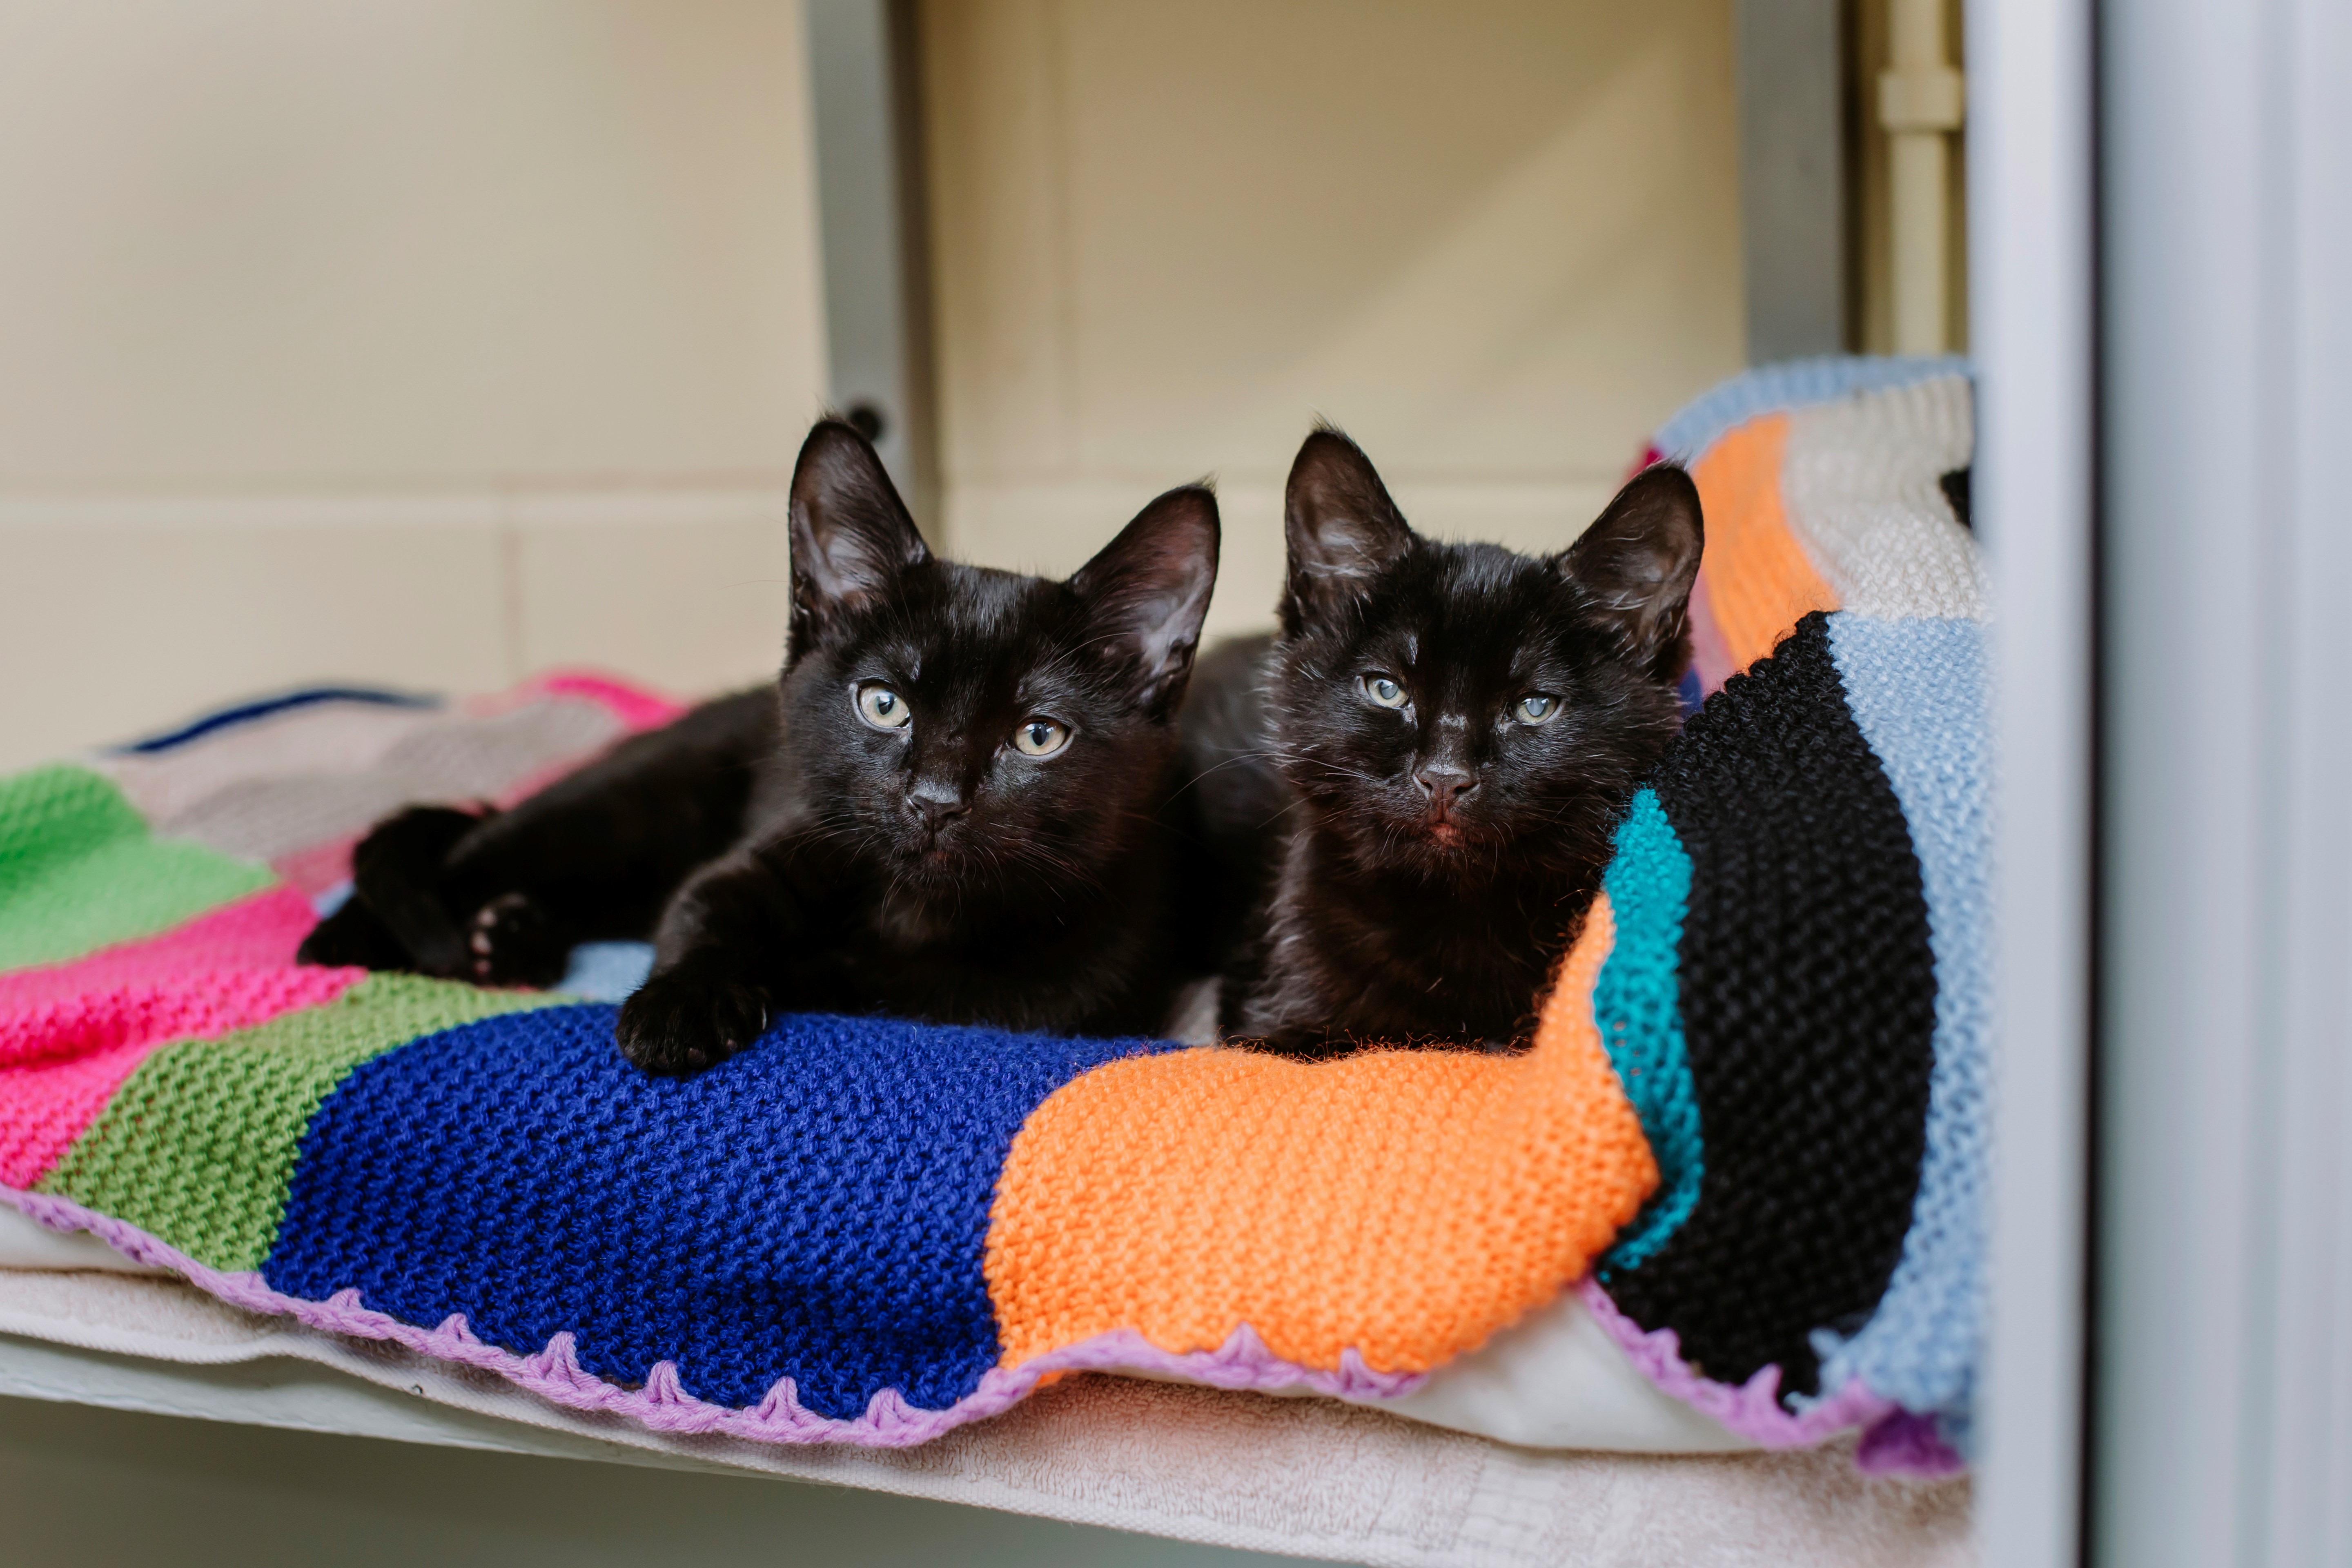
x: 1808, y: 1004
x: 1759, y: 581
x: 1400, y: 1206
x: 1863, y: 475
x: 198, y: 1144
x: 1647, y: 887
x: 813, y: 1208
x: 1917, y: 690
x: 1749, y: 1137
x: 79, y: 869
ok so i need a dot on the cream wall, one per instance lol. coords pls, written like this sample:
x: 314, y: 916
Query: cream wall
x: 1497, y: 242
x: 432, y: 342
x: 420, y: 341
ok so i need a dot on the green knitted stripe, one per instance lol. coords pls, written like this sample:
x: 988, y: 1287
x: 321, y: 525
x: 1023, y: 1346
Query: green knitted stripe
x: 198, y: 1146
x: 79, y: 870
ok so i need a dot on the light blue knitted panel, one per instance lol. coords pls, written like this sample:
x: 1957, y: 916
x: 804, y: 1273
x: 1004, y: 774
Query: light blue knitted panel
x: 607, y: 971
x: 1918, y: 690
x: 1636, y: 1004
x: 1774, y: 387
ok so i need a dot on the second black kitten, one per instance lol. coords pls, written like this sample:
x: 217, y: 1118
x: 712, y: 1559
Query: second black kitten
x: 1431, y: 760
x: 946, y: 808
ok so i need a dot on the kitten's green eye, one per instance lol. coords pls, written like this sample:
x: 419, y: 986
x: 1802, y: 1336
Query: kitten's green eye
x: 1040, y: 737
x: 1382, y: 690
x: 882, y: 708
x: 1537, y: 708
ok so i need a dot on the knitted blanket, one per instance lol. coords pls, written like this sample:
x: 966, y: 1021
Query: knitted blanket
x: 1748, y: 1139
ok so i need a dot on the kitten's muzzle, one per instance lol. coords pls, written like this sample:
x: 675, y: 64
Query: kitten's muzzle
x: 935, y: 806
x: 1444, y: 788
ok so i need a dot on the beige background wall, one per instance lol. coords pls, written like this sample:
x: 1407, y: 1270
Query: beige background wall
x: 432, y: 342
x: 1497, y: 242
x: 419, y: 340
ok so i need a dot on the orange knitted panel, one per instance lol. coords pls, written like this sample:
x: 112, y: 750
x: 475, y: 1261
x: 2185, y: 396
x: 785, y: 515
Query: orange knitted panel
x: 1759, y: 583
x: 1407, y: 1204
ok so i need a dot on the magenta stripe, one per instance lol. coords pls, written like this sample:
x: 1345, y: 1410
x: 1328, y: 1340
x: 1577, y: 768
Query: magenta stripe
x: 638, y: 707
x: 662, y: 1406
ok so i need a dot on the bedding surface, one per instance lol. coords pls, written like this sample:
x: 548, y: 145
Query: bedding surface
x: 1307, y: 1478
x: 1747, y: 1143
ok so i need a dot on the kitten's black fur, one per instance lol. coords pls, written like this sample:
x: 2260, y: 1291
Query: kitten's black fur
x: 789, y: 850
x: 1428, y: 862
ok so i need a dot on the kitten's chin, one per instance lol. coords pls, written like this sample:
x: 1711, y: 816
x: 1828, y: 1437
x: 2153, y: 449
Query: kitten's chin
x: 936, y: 864
x: 954, y: 868
x: 1439, y: 851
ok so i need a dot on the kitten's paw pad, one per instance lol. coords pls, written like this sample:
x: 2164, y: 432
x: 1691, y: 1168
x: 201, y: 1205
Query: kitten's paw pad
x: 510, y: 942
x: 675, y: 1025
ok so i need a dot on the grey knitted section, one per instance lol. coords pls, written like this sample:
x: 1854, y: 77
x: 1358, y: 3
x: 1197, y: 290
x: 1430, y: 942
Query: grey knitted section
x: 455, y: 758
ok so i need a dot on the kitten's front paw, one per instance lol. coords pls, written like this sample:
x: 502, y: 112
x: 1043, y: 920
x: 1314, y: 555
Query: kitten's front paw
x: 675, y: 1025
x: 510, y: 942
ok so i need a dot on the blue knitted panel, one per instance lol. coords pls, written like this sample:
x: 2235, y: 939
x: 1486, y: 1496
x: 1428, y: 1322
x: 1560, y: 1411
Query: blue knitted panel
x: 1634, y: 1004
x: 1918, y: 690
x: 1775, y: 388
x: 814, y: 1207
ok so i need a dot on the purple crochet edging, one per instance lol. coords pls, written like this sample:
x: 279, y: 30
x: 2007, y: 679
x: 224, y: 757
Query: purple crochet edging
x: 555, y: 1373
x: 1906, y: 1443
x: 1893, y: 1440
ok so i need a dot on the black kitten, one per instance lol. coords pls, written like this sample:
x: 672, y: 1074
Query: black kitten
x: 945, y: 809
x: 1432, y: 756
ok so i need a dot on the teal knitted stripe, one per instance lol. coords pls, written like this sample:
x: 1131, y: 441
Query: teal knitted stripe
x: 1636, y: 1004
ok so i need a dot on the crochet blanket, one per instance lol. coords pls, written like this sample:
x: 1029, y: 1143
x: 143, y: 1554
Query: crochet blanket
x: 1749, y: 1137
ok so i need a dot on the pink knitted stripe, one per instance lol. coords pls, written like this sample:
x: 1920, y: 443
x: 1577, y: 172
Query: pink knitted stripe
x: 260, y: 930
x: 555, y: 1373
x: 1893, y: 1441
x: 321, y: 867
x: 1710, y: 655
x: 70, y: 1033
x: 638, y: 707
x: 46, y: 1106
x: 317, y: 867
x: 195, y: 1004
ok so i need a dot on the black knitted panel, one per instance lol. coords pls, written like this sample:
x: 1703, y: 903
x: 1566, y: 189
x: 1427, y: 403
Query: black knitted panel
x: 1809, y: 1006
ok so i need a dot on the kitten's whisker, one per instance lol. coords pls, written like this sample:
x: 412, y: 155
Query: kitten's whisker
x: 1286, y: 811
x: 1234, y: 761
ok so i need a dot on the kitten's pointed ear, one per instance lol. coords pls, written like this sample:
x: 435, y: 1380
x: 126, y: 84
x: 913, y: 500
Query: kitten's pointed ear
x: 1340, y: 527
x: 851, y: 535
x: 1638, y: 561
x: 1148, y: 590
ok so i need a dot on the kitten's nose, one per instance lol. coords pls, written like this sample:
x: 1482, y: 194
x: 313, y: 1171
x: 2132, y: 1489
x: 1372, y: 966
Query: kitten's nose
x: 1445, y: 786
x: 935, y: 804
